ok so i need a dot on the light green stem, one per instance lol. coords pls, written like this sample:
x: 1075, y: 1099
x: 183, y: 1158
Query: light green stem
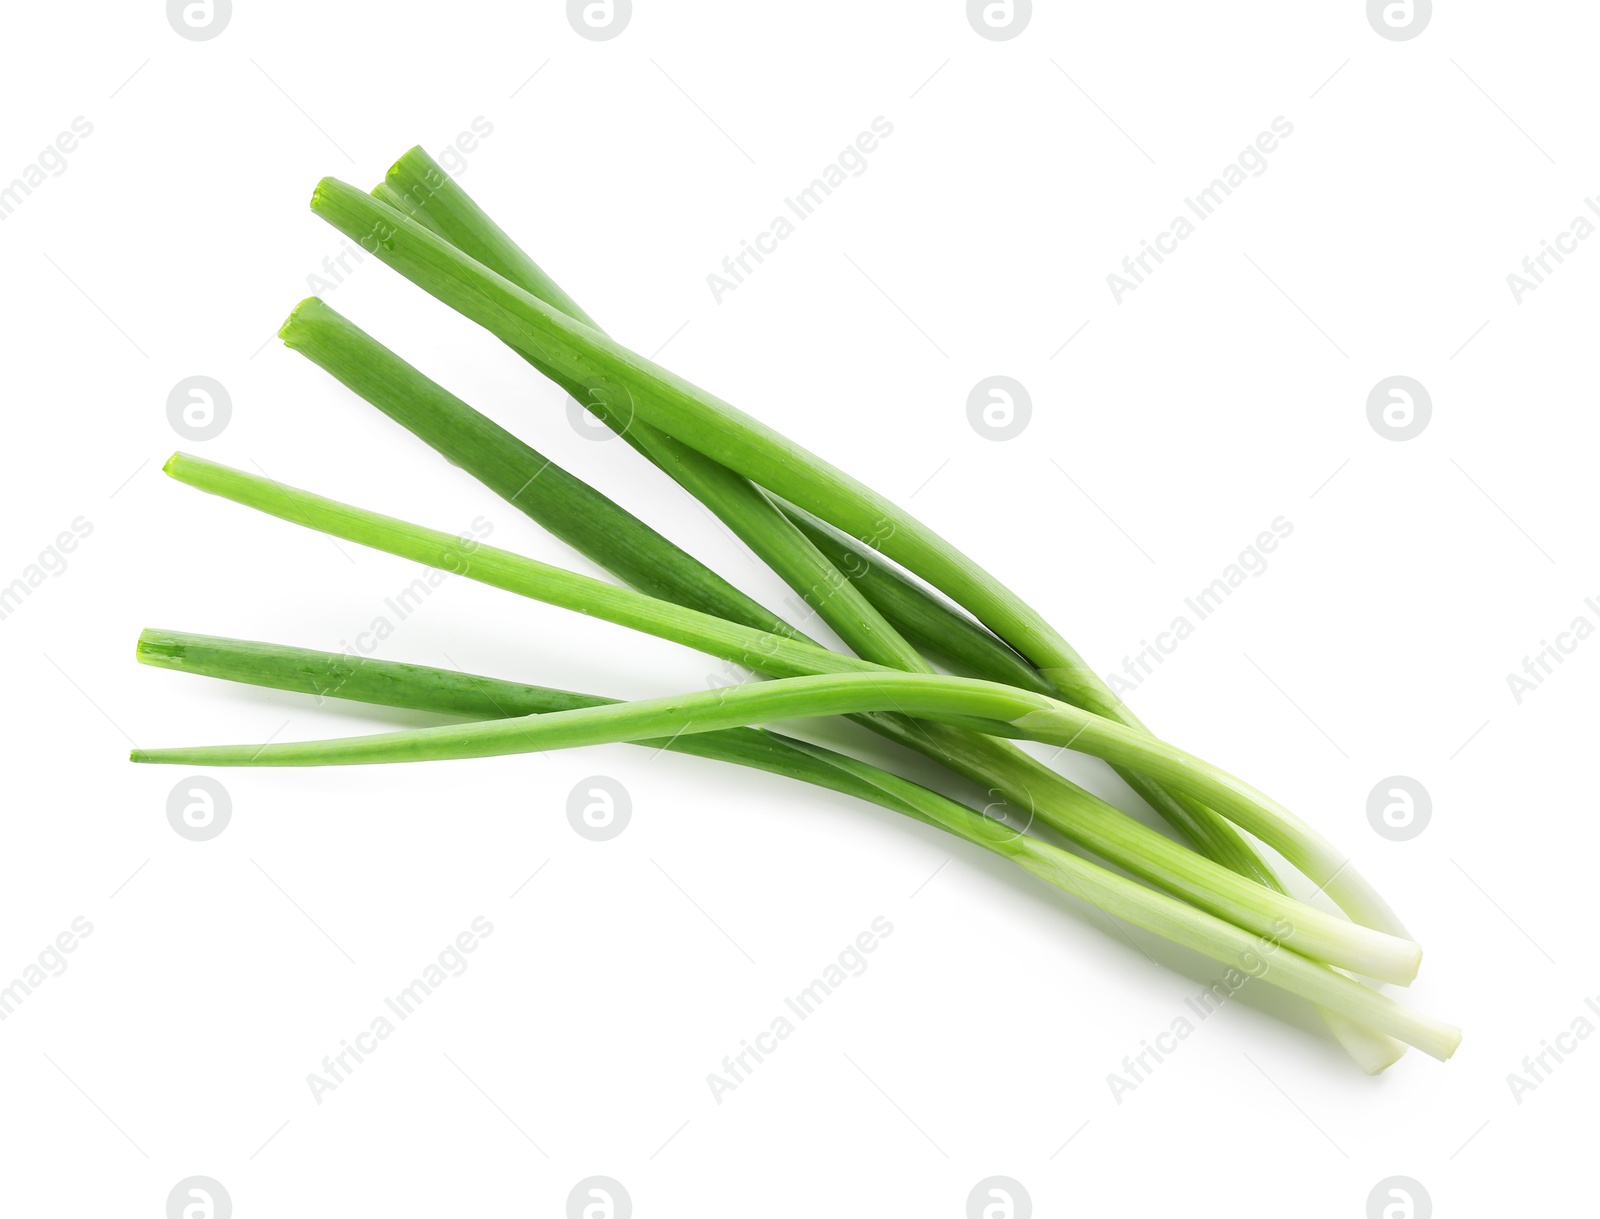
x: 393, y: 684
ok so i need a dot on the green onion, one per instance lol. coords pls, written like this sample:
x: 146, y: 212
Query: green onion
x: 710, y: 711
x: 514, y: 573
x: 1035, y: 717
x: 427, y: 689
x: 565, y: 505
x: 421, y: 688
x: 877, y: 576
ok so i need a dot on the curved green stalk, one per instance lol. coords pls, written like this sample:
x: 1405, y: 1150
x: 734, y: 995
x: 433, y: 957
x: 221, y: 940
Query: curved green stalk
x: 1360, y: 949
x: 421, y: 688
x: 388, y: 683
x: 962, y: 700
x: 513, y: 572
x: 930, y: 696
x: 1097, y: 826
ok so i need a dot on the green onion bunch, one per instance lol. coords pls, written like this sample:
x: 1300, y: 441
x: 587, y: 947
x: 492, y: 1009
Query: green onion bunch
x: 942, y: 658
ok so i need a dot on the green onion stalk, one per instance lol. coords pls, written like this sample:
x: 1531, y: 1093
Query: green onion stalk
x: 436, y: 690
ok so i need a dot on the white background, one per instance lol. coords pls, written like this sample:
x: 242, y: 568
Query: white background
x: 1227, y: 391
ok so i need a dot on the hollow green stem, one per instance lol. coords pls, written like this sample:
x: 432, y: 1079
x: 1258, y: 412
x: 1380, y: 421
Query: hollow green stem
x: 568, y: 507
x: 513, y: 572
x: 421, y: 688
x: 386, y: 683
